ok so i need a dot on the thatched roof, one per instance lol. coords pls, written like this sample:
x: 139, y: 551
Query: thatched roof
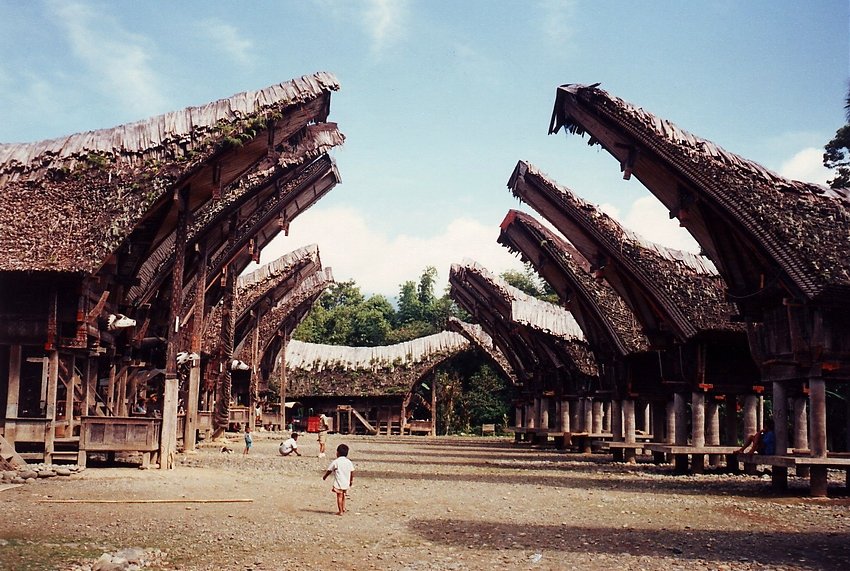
x: 260, y: 291
x: 66, y: 204
x: 479, y: 338
x: 602, y: 314
x: 678, y: 290
x: 279, y: 322
x: 551, y: 331
x: 797, y: 229
x: 331, y: 370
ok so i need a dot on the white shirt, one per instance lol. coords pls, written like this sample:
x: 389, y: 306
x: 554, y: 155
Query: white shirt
x: 342, y: 468
x: 288, y: 446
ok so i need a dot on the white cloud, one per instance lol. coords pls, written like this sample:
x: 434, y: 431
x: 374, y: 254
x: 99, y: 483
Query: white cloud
x: 120, y: 60
x: 385, y: 22
x: 807, y: 166
x: 381, y: 263
x: 649, y: 218
x: 226, y: 37
x: 557, y: 20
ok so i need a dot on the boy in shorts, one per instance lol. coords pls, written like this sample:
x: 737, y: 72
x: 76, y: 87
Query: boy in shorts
x: 343, y: 471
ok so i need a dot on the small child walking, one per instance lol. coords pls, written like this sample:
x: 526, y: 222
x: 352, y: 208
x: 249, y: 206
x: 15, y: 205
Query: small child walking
x: 249, y: 440
x: 343, y: 471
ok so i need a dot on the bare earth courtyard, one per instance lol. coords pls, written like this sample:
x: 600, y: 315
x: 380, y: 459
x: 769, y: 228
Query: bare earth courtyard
x: 420, y: 504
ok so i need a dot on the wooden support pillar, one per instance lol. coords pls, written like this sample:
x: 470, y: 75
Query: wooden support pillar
x: 283, y: 382
x: 576, y: 416
x: 801, y: 431
x: 544, y: 413
x: 90, y: 402
x: 518, y: 416
x: 596, y: 416
x: 670, y: 424
x: 50, y: 412
x: 606, y: 416
x: 434, y: 406
x: 556, y: 421
x: 565, y: 415
x: 629, y: 435
x: 730, y: 430
x: 681, y: 434
x: 530, y: 416
x: 168, y: 435
x: 646, y: 412
x: 698, y: 430
x: 221, y: 416
x: 817, y: 415
x: 199, y: 311
x: 168, y: 439
x: 110, y: 389
x: 712, y: 428
x: 121, y: 397
x: 659, y: 425
x: 13, y: 393
x: 779, y: 474
x: 70, y: 395
x: 750, y: 424
x: 617, y: 428
x: 254, y: 382
x: 587, y: 414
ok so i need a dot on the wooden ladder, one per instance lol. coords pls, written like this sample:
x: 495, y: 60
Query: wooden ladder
x: 9, y: 456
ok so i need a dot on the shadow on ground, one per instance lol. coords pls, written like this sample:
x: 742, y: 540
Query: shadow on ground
x: 804, y: 550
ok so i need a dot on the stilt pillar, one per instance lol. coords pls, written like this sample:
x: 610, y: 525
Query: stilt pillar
x: 629, y: 429
x: 698, y: 431
x: 750, y: 424
x: 779, y: 474
x: 681, y: 433
x: 617, y: 428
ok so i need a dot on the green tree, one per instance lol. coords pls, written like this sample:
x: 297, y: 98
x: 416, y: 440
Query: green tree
x: 409, y: 306
x: 530, y: 283
x: 837, y: 155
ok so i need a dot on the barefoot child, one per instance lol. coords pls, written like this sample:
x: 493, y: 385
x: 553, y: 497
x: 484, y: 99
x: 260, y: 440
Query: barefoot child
x: 249, y: 440
x: 343, y: 471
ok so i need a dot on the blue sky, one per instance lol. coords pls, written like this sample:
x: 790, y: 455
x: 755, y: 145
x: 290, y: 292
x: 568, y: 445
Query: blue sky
x: 439, y: 99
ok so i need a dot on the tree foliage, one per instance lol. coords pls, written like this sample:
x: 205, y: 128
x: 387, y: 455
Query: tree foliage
x: 530, y: 283
x: 344, y: 316
x: 837, y: 152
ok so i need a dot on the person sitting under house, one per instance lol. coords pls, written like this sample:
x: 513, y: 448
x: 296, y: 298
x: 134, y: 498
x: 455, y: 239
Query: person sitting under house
x: 290, y: 446
x: 762, y: 442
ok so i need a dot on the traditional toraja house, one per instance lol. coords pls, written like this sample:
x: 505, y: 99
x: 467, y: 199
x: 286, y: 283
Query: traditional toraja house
x: 275, y: 331
x: 680, y: 304
x: 258, y: 294
x: 379, y: 387
x: 780, y: 245
x: 544, y: 345
x: 107, y: 235
x: 610, y: 327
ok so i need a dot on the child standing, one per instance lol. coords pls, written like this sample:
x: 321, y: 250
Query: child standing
x: 249, y: 440
x: 343, y: 471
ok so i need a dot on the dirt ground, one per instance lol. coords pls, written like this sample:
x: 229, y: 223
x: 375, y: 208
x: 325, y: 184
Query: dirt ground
x: 421, y: 504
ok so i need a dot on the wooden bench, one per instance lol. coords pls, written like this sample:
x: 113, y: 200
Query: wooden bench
x: 697, y: 454
x: 488, y: 429
x: 418, y: 427
x: 817, y: 467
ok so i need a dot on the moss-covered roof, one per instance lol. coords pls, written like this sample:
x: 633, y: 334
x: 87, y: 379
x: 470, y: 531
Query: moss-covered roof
x: 686, y: 290
x: 802, y: 227
x: 66, y: 204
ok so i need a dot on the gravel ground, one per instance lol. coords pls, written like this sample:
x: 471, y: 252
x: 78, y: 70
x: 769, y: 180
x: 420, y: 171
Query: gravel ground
x: 420, y: 504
